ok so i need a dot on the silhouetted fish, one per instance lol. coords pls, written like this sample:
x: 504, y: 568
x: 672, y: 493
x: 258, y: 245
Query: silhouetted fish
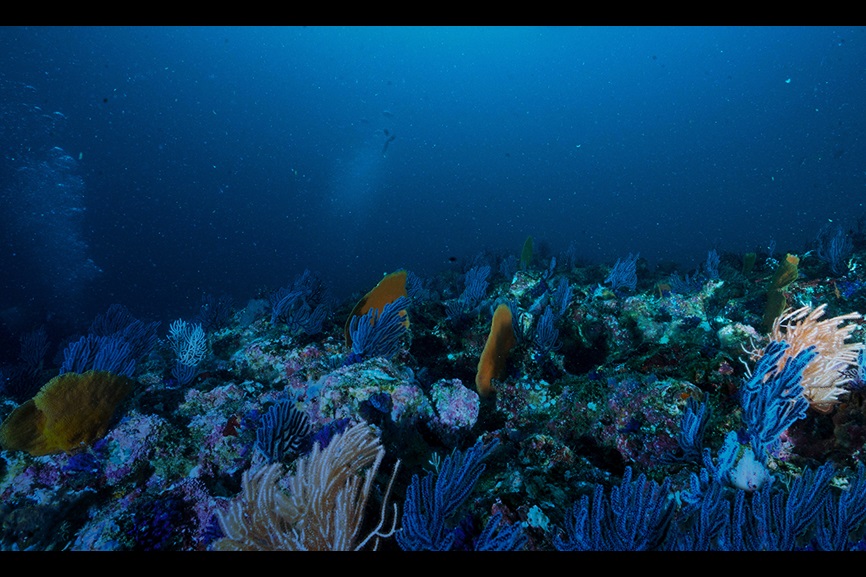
x: 387, y: 142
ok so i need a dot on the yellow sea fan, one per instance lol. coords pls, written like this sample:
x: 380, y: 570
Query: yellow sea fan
x: 825, y: 376
x: 69, y: 412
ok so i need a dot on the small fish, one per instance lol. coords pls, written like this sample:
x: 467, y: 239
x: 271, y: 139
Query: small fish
x: 387, y: 142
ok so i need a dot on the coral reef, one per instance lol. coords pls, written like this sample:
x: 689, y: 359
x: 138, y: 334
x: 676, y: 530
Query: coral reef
x: 583, y: 400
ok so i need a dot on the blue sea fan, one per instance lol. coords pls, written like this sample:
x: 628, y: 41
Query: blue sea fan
x: 633, y: 516
x: 475, y: 286
x: 623, y: 275
x: 772, y: 399
x: 378, y: 334
x: 302, y: 306
x: 561, y: 297
x: 431, y: 501
x: 215, y: 313
x: 110, y: 353
x: 117, y: 321
x: 546, y: 334
x: 415, y: 288
x: 693, y: 425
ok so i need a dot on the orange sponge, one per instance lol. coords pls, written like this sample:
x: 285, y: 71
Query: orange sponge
x: 69, y: 411
x: 499, y: 342
x: 388, y: 289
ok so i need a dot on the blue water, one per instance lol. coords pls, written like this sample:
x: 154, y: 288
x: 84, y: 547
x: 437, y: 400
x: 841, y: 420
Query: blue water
x: 146, y: 166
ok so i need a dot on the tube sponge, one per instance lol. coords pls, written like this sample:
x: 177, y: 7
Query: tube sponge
x: 499, y: 342
x: 69, y: 411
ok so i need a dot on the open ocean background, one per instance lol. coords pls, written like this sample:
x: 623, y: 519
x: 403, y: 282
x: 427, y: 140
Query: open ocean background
x: 147, y: 166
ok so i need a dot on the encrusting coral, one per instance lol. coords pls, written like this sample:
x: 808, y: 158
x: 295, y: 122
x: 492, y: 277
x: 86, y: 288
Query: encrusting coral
x: 70, y: 411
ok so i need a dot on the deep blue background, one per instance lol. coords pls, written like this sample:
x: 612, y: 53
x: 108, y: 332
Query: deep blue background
x: 230, y: 159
